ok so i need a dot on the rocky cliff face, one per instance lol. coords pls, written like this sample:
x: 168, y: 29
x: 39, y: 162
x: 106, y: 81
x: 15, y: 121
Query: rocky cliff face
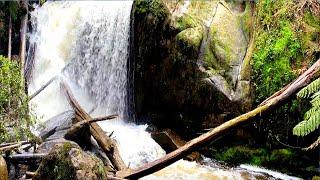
x: 190, y: 61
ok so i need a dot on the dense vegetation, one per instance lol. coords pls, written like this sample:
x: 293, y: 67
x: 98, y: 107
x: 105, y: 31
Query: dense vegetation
x: 284, y: 39
x: 287, y: 42
x: 287, y: 38
x: 14, y: 115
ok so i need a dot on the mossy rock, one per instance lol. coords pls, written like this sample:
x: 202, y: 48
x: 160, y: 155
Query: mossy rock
x: 185, y: 21
x: 66, y: 161
x: 154, y: 10
x: 189, y: 41
x: 175, y: 53
x: 227, y: 42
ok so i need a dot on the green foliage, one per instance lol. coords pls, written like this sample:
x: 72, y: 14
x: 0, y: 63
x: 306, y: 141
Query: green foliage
x: 312, y: 117
x: 281, y: 159
x: 14, y: 115
x: 277, y: 48
x: 10, y: 7
x: 151, y: 7
x: 286, y: 39
x: 255, y: 156
x: 186, y: 21
x: 241, y: 154
x: 42, y: 1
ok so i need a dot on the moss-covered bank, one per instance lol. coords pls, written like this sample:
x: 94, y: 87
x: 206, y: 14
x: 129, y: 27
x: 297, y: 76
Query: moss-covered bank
x: 287, y: 42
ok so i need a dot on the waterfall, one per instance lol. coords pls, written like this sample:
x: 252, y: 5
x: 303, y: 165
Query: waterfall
x: 86, y: 45
x: 89, y: 49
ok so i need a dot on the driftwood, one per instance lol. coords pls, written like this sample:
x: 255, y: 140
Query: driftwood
x: 30, y: 174
x: 16, y: 146
x: 47, y: 134
x: 12, y: 143
x: 313, y: 145
x: 104, y: 141
x: 74, y: 129
x: 202, y: 140
x: 42, y: 88
x: 10, y: 147
x: 103, y: 118
x: 27, y: 157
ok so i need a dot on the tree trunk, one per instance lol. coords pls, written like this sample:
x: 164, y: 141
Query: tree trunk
x: 9, y: 37
x: 202, y: 140
x: 23, y: 32
x: 104, y: 141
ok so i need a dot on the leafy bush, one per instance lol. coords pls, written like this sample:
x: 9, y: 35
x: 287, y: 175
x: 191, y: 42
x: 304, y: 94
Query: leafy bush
x: 14, y: 115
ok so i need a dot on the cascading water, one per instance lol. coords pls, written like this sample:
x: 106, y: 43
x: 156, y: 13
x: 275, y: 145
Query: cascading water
x: 86, y: 45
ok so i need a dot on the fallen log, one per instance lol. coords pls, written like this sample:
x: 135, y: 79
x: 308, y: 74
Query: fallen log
x: 104, y: 141
x: 26, y: 157
x: 12, y: 143
x: 74, y: 129
x: 30, y: 174
x: 202, y: 140
x: 103, y: 118
x: 313, y: 145
x: 42, y: 88
x: 10, y: 147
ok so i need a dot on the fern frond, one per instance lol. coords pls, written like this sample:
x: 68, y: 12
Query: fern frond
x: 315, y: 102
x: 316, y: 95
x: 312, y: 88
x: 308, y: 125
x: 315, y: 99
x: 310, y: 112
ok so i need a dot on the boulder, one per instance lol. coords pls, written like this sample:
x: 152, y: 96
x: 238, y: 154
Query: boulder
x: 67, y: 161
x: 190, y: 61
x: 170, y: 141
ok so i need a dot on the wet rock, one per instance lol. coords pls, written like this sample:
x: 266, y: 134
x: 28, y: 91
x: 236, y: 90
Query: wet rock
x: 170, y: 141
x: 48, y: 145
x: 67, y: 161
x: 55, y: 127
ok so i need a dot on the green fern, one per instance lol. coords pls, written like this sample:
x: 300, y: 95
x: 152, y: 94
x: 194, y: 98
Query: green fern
x: 308, y: 125
x: 311, y: 112
x: 312, y: 88
x: 312, y: 117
